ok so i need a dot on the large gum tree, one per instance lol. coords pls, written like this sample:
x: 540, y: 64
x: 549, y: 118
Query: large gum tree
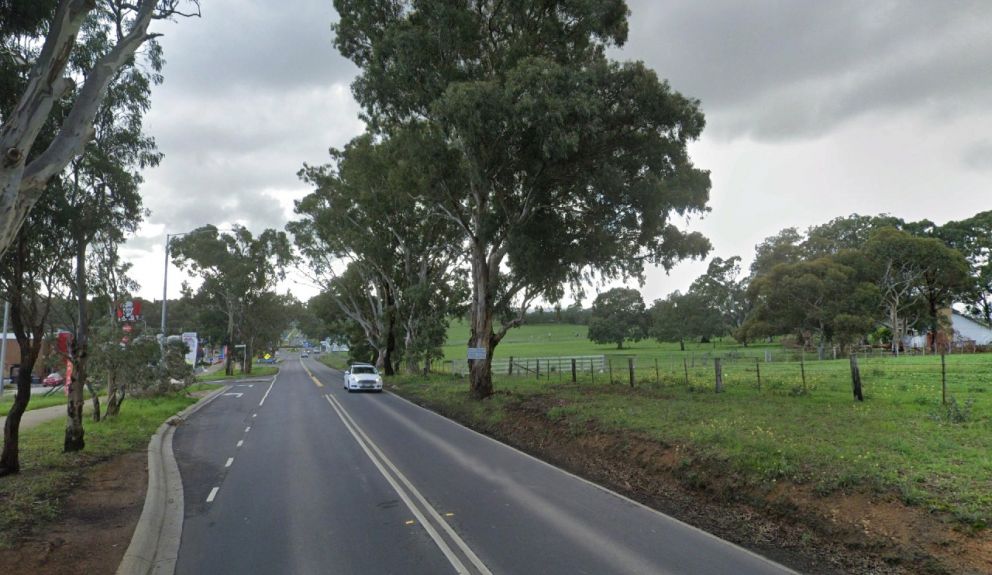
x: 575, y: 165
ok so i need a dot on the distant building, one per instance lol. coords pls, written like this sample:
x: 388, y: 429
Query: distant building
x: 14, y: 357
x: 964, y: 331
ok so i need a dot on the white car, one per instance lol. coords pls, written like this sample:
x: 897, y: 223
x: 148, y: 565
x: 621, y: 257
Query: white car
x: 362, y: 377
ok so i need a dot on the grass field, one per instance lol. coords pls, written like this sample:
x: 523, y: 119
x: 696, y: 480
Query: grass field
x: 901, y: 439
x: 36, y: 495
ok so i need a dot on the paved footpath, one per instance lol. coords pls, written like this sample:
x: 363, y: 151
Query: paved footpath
x: 296, y: 475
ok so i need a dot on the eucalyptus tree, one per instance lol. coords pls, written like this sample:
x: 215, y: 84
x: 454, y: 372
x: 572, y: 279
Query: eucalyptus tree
x: 724, y: 288
x: 617, y: 316
x: 101, y: 187
x: 973, y: 238
x: 680, y: 316
x: 30, y: 279
x: 573, y: 163
x: 28, y: 164
x: 820, y: 298
x: 238, y: 271
x: 366, y: 214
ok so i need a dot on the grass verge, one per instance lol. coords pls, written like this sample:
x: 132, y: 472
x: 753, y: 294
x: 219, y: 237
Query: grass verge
x: 900, y: 441
x: 256, y: 371
x: 37, y: 401
x: 37, y: 494
x: 334, y: 359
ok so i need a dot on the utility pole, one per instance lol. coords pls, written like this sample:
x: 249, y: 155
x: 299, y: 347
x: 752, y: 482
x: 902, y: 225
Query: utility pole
x: 165, y: 283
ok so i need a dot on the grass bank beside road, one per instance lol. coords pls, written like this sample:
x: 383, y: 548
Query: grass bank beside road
x: 35, y: 496
x: 901, y: 446
x: 256, y: 371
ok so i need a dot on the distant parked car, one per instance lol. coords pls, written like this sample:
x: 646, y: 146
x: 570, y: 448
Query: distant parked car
x: 362, y: 377
x: 53, y: 379
x: 305, y: 354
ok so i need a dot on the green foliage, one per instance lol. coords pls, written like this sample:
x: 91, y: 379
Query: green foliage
x: 812, y: 297
x: 685, y: 316
x: 569, y: 164
x: 617, y: 315
x: 239, y: 273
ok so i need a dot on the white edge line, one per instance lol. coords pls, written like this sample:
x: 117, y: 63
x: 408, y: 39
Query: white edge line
x: 438, y: 540
x: 601, y: 488
x: 268, y: 390
x: 213, y: 493
x: 423, y: 501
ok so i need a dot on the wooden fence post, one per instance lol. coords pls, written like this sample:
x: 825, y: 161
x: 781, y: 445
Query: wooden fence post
x: 757, y: 369
x: 611, y: 370
x: 573, y: 370
x: 685, y: 367
x: 657, y: 374
x: 802, y: 368
x: 592, y: 371
x: 630, y: 369
x: 719, y: 374
x: 856, y: 378
x: 509, y: 370
x: 537, y: 370
x: 943, y: 381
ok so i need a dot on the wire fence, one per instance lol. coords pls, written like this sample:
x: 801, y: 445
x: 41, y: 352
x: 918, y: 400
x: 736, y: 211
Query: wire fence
x: 879, y: 373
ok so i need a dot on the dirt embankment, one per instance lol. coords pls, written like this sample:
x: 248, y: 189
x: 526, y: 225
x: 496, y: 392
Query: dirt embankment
x: 836, y: 533
x: 96, y: 524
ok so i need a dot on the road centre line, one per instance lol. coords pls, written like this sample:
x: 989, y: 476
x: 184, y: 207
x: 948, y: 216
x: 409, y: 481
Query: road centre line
x: 357, y: 431
x: 247, y: 429
x: 448, y: 553
x: 241, y: 442
x: 213, y: 494
x: 230, y: 460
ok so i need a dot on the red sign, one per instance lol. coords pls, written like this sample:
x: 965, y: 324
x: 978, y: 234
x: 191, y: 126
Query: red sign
x: 127, y: 328
x: 63, y: 341
x: 129, y: 310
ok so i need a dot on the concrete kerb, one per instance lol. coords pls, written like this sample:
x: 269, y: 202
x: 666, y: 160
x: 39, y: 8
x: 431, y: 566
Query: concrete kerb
x: 154, y: 546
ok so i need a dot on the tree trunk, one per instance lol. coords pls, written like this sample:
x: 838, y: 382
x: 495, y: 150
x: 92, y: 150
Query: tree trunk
x: 249, y: 357
x: 389, y: 357
x: 95, y: 400
x: 113, y: 402
x: 9, y: 459
x: 74, y: 424
x: 481, y: 335
x: 411, y: 358
x: 681, y: 344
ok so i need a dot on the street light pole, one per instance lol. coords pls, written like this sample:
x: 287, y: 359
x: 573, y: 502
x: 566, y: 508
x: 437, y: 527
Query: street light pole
x: 165, y: 283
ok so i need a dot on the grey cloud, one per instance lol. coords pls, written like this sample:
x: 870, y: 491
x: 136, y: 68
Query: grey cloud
x: 781, y: 69
x: 256, y: 44
x: 978, y: 156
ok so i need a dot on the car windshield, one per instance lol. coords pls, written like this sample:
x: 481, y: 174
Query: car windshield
x: 363, y: 369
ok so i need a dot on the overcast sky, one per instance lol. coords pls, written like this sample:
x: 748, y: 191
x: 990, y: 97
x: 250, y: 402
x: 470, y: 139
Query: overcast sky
x: 814, y: 110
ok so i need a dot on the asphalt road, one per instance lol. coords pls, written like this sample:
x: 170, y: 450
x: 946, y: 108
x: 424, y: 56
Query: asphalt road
x: 299, y: 476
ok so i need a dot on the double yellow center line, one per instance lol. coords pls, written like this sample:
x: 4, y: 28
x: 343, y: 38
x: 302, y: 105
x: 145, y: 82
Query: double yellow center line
x: 310, y: 373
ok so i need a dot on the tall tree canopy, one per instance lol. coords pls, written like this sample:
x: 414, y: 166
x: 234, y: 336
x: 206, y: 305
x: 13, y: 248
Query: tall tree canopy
x: 239, y: 272
x: 574, y: 164
x: 617, y: 315
x: 27, y: 163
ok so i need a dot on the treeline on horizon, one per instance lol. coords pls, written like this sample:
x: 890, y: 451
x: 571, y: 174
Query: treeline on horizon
x: 854, y: 279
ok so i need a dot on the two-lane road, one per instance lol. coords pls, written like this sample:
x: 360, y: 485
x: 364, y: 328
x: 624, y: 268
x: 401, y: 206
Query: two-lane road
x: 313, y: 479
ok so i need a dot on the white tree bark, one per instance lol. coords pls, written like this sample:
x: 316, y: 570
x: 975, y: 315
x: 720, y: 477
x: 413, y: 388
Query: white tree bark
x: 22, y: 183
